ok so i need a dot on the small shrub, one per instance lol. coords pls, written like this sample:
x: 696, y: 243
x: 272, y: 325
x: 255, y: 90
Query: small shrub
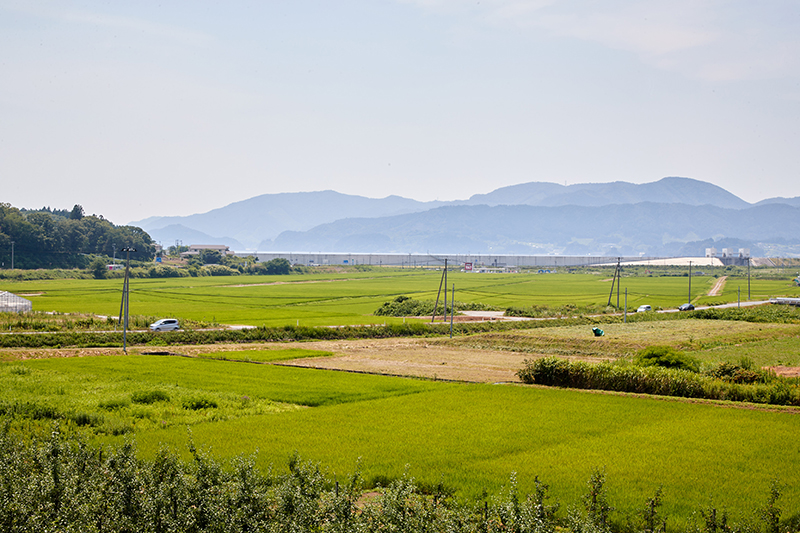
x: 112, y: 405
x: 87, y: 419
x: 667, y: 357
x: 148, y: 397
x: 406, y: 306
x: 195, y: 404
x: 742, y: 372
x: 218, y: 270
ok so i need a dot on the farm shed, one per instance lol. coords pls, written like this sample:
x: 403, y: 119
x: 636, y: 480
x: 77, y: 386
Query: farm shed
x: 11, y: 303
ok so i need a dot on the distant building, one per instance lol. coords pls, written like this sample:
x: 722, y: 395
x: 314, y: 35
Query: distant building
x: 195, y: 249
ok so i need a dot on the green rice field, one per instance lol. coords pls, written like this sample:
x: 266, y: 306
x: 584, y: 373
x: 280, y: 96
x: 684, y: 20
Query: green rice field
x: 350, y: 298
x: 469, y: 437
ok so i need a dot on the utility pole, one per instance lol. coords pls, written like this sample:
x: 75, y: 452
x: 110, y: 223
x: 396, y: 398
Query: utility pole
x: 444, y: 277
x: 445, y: 291
x: 690, y: 282
x: 748, y: 278
x: 12, y: 255
x: 613, y: 281
x: 125, y: 292
x: 452, y: 309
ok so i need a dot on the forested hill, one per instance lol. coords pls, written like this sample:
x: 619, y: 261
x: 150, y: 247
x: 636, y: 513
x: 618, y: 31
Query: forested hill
x: 52, y: 238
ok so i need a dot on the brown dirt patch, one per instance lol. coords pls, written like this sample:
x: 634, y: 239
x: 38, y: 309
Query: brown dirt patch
x: 786, y: 371
x: 416, y: 357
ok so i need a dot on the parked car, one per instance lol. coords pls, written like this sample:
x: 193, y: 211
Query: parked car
x: 165, y: 324
x: 686, y: 307
x: 643, y: 308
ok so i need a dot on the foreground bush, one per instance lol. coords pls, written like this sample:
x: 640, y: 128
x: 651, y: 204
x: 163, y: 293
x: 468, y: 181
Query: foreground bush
x: 60, y: 483
x: 656, y: 380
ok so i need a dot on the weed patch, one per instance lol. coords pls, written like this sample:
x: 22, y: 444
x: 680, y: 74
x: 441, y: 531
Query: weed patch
x: 148, y: 397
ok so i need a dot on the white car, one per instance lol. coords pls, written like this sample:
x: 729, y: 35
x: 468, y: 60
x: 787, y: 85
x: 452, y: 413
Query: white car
x: 643, y: 308
x: 165, y: 324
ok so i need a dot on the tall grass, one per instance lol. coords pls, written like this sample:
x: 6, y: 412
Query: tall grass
x: 657, y: 380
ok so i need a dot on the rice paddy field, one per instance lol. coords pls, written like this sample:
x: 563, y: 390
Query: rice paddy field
x: 470, y: 437
x: 351, y: 298
x: 344, y: 403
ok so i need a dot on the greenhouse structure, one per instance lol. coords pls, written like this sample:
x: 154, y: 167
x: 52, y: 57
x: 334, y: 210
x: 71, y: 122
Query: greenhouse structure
x: 11, y: 303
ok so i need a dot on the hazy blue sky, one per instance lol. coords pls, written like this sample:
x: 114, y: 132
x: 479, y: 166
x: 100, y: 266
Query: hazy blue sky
x: 165, y: 108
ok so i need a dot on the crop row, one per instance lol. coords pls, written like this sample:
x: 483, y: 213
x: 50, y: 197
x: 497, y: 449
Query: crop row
x: 61, y: 484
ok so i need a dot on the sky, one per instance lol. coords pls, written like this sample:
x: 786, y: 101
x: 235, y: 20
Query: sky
x: 139, y: 109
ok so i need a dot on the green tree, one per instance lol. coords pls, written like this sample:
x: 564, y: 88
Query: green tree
x: 76, y: 213
x: 278, y: 266
x: 210, y: 257
x: 98, y: 268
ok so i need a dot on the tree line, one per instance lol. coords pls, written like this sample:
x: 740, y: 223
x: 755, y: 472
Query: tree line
x: 60, y: 238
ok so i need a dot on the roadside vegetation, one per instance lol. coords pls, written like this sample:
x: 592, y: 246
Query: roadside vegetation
x: 567, y: 340
x: 41, y: 321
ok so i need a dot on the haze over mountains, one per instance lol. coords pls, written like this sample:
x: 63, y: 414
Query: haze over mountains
x: 666, y: 217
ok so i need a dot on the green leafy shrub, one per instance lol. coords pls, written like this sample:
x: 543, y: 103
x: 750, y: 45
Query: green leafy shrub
x: 666, y: 357
x: 218, y: 270
x: 112, y: 405
x: 736, y: 374
x: 87, y: 419
x: 195, y: 404
x: 163, y: 271
x: 148, y: 397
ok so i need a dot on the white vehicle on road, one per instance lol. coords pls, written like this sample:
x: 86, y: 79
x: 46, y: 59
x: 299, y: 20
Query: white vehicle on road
x: 165, y: 324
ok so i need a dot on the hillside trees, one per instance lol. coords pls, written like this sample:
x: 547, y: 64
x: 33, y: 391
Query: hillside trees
x: 62, y: 239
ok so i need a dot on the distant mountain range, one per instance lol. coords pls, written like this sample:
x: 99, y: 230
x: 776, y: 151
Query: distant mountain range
x: 660, y: 218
